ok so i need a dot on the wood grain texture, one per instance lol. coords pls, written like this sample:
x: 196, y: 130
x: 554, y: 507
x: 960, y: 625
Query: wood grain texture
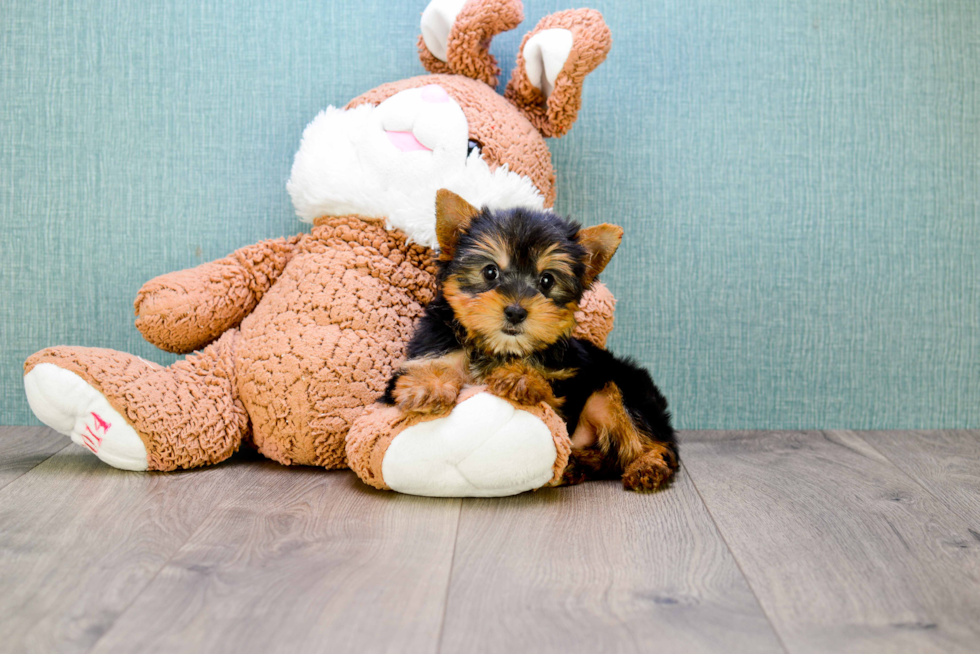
x: 79, y: 541
x: 946, y: 463
x: 845, y: 552
x: 305, y: 560
x: 824, y: 543
x: 23, y: 448
x: 593, y: 568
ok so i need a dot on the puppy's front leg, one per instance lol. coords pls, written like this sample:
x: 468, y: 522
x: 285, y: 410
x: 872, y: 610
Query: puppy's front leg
x: 430, y: 384
x: 584, y: 465
x: 520, y: 382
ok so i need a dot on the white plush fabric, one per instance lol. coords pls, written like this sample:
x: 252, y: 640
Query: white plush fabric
x: 484, y: 448
x: 545, y: 55
x: 65, y: 402
x: 437, y: 20
x: 348, y: 163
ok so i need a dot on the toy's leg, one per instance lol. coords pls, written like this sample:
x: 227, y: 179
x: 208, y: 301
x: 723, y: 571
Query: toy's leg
x: 65, y: 402
x: 486, y: 447
x: 137, y: 415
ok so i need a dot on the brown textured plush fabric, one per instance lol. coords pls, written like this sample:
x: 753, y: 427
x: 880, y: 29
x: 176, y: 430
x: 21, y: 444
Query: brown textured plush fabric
x: 431, y: 63
x: 185, y: 310
x: 468, y: 45
x: 321, y: 344
x: 591, y: 42
x: 369, y: 438
x: 187, y: 415
x: 595, y: 315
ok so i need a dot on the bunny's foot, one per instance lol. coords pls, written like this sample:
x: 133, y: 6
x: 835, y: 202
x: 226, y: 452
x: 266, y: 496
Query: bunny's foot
x: 487, y: 447
x: 138, y: 415
x: 65, y: 402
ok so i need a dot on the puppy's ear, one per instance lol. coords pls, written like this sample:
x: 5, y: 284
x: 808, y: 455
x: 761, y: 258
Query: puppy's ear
x: 600, y: 243
x: 453, y: 216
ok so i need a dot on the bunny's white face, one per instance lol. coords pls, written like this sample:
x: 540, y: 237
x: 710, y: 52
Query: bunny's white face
x: 425, y: 119
x: 388, y: 161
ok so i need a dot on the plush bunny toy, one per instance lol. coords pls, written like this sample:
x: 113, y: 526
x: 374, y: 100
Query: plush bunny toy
x: 301, y: 334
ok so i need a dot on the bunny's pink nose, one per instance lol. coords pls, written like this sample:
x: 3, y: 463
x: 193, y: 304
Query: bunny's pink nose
x: 434, y: 93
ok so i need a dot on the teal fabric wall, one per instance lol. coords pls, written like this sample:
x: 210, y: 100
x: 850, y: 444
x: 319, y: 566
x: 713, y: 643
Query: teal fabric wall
x: 799, y: 182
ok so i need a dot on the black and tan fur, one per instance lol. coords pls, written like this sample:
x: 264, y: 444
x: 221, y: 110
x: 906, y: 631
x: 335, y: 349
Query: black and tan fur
x: 510, y: 284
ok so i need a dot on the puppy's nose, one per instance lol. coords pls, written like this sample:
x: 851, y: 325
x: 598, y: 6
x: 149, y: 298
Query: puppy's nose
x: 515, y: 314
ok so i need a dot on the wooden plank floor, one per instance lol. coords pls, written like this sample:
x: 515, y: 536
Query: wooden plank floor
x: 845, y: 551
x: 791, y: 542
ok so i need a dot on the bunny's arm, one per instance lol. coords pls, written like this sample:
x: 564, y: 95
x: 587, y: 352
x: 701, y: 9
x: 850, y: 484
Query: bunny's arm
x: 595, y: 315
x: 185, y: 310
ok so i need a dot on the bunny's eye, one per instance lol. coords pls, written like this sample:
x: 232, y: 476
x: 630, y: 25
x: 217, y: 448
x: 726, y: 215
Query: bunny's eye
x: 473, y: 145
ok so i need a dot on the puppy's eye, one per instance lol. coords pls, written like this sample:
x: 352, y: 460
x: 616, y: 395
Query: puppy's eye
x: 473, y: 145
x: 490, y: 273
x: 547, y: 281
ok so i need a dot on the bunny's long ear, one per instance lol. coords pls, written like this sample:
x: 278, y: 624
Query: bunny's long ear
x: 456, y: 36
x: 554, y: 59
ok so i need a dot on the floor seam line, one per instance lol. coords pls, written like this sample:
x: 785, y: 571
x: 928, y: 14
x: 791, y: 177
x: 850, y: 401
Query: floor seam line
x: 156, y: 574
x: 449, y: 580
x: 738, y: 564
x: 34, y: 467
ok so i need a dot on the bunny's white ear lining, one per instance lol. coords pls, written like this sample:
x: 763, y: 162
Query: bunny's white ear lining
x: 437, y: 20
x: 545, y: 55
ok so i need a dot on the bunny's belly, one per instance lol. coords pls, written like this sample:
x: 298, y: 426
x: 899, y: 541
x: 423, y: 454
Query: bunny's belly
x: 321, y: 346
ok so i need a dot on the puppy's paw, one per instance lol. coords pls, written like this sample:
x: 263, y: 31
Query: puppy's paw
x: 413, y: 395
x: 520, y: 383
x: 584, y: 464
x: 651, y: 471
x: 426, y: 391
x: 573, y: 475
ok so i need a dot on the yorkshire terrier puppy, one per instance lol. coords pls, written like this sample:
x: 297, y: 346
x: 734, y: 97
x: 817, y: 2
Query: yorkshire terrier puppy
x: 510, y: 283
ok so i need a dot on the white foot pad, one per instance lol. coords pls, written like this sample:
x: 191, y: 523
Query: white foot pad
x: 65, y: 402
x: 484, y: 448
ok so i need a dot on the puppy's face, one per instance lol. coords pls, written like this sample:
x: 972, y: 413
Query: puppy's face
x: 514, y: 278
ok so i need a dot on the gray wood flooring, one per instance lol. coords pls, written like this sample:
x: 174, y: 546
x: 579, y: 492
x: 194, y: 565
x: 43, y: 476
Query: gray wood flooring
x: 792, y: 542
